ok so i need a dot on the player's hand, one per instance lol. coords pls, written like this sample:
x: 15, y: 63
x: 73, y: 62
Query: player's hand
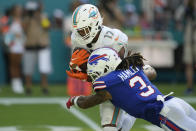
x: 78, y: 75
x: 70, y: 102
x: 79, y: 57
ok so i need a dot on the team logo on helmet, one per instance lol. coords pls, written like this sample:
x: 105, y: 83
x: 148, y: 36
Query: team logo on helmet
x: 93, y: 13
x: 75, y: 16
x: 95, y: 59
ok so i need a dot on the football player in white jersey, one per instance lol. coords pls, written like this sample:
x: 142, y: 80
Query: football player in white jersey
x: 89, y: 33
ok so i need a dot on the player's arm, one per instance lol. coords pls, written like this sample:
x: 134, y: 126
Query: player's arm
x: 89, y: 101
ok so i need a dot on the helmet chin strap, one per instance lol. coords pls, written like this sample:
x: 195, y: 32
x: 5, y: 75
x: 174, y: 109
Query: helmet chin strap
x: 89, y: 45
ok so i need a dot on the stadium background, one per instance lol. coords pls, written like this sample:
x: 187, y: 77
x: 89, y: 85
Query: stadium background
x: 61, y: 53
x: 16, y: 114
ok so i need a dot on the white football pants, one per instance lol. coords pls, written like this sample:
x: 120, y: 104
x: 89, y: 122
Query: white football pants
x: 112, y: 116
x: 178, y: 115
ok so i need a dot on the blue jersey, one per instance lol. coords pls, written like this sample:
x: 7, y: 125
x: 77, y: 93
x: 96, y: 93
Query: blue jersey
x: 132, y: 91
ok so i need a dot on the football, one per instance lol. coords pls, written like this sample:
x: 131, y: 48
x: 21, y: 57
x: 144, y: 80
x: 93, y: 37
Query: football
x: 79, y: 54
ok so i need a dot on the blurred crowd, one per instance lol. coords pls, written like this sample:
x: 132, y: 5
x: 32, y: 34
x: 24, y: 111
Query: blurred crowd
x: 152, y: 19
x: 26, y: 38
x: 25, y: 31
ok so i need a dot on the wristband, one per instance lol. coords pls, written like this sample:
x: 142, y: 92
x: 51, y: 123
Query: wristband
x: 75, y: 101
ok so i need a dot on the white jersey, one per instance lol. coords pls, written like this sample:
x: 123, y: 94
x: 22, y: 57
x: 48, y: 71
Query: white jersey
x: 108, y: 37
x: 11, y: 37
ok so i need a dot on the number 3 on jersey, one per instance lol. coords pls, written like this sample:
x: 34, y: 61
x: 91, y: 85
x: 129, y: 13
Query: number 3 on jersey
x: 136, y: 79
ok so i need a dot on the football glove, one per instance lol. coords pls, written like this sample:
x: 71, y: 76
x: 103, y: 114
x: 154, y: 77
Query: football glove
x: 79, y: 57
x: 70, y: 102
x: 78, y: 75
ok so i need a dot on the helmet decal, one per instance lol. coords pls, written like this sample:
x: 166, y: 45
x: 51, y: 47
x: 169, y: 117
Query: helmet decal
x: 101, y: 62
x: 95, y: 58
x: 75, y: 16
x: 93, y: 13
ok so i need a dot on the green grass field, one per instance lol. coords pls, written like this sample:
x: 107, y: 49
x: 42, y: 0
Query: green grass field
x: 48, y: 113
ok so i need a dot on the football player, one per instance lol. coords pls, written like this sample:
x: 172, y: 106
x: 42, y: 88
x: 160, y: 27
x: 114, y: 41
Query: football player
x: 124, y: 83
x: 89, y: 33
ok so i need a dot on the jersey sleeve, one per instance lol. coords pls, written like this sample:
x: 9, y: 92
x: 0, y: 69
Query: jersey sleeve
x: 99, y: 85
x: 121, y: 40
x: 106, y: 82
x: 115, y: 39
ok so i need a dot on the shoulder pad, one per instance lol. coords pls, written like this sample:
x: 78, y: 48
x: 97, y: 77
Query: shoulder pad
x: 107, y: 36
x: 114, y: 38
x: 120, y: 36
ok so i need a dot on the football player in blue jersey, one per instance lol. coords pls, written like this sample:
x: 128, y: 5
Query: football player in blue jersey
x: 125, y: 84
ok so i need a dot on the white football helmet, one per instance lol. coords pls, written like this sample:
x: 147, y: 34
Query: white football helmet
x: 101, y: 62
x: 86, y: 23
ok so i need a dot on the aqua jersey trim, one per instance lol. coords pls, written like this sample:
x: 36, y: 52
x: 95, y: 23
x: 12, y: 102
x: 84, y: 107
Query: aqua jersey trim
x: 115, y: 115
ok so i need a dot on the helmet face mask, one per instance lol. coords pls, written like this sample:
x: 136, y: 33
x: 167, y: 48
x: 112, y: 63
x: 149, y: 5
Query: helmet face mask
x: 101, y: 62
x: 93, y: 76
x: 84, y: 32
x: 86, y: 23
